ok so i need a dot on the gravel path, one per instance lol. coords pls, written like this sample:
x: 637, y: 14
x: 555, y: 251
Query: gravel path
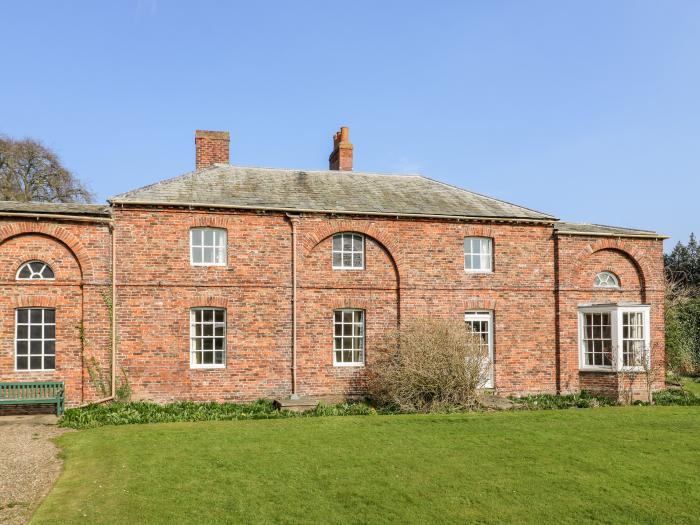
x: 29, y: 464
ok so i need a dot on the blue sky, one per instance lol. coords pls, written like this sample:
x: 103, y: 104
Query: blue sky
x: 586, y: 110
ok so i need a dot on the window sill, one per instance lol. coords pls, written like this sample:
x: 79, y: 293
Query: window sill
x: 218, y: 265
x: 207, y: 367
x: 349, y: 365
x: 36, y: 371
x: 348, y: 268
x: 478, y: 271
x: 604, y: 369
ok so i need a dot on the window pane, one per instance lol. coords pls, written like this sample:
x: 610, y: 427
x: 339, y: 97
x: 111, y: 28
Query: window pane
x: 22, y: 363
x: 198, y: 316
x: 337, y: 242
x: 24, y: 272
x: 198, y: 358
x: 219, y: 316
x: 208, y: 255
x: 35, y: 331
x: 208, y: 358
x: 337, y: 259
x: 357, y: 243
x: 208, y: 238
x: 357, y: 260
x: 49, y: 316
x: 22, y: 347
x: 35, y: 362
x: 207, y: 316
x: 22, y: 331
x: 218, y: 344
x: 47, y: 273
x: 220, y: 238
x: 35, y: 347
x: 49, y: 347
x: 219, y: 358
x: 35, y: 316
x: 22, y: 315
x: 49, y: 362
x: 347, y: 260
x: 197, y: 255
x: 207, y: 344
x: 197, y: 237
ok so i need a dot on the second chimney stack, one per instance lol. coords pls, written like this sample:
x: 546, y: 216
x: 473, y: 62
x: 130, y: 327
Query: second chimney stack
x: 341, y: 158
x: 212, y: 148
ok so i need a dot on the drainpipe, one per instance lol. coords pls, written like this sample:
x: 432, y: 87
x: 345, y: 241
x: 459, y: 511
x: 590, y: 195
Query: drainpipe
x: 294, y: 219
x: 113, y: 390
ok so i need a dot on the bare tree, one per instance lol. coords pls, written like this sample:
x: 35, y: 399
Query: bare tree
x: 429, y: 364
x: 31, y: 172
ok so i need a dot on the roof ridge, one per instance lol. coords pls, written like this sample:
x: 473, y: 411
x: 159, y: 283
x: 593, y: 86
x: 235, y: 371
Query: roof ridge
x: 549, y: 215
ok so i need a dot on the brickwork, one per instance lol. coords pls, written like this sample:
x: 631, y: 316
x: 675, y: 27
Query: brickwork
x: 79, y: 254
x: 412, y: 268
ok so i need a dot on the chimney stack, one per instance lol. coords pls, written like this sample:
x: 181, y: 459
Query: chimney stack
x: 341, y: 158
x: 212, y: 148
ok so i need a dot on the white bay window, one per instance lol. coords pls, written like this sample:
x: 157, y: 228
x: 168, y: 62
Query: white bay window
x: 614, y: 336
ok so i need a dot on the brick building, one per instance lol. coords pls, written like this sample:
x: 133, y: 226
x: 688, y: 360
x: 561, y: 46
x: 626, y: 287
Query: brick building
x: 235, y: 283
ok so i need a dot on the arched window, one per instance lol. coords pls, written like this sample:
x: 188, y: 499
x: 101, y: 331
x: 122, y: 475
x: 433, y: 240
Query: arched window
x: 34, y: 270
x: 606, y: 280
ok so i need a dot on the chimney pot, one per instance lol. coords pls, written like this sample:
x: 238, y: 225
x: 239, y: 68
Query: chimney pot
x: 341, y: 156
x: 212, y: 147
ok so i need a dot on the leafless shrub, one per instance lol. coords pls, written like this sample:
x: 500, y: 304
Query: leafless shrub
x: 429, y: 364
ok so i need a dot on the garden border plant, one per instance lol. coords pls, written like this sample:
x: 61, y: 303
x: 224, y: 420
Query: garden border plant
x: 118, y: 413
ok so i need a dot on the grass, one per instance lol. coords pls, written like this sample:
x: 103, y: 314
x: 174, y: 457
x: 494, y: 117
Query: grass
x: 692, y: 385
x: 609, y: 465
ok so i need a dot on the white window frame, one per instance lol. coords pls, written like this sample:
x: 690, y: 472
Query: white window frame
x: 469, y: 254
x: 31, y: 277
x: 194, y: 337
x: 616, y: 312
x: 352, y: 252
x: 361, y: 337
x: 29, y: 339
x: 615, y: 280
x: 203, y: 229
x: 484, y: 315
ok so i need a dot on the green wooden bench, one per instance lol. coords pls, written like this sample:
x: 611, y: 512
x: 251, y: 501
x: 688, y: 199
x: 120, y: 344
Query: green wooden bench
x: 34, y: 393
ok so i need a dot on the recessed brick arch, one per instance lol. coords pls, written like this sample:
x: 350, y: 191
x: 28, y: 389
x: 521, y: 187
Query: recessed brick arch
x: 81, y: 254
x: 636, y: 256
x: 390, y: 243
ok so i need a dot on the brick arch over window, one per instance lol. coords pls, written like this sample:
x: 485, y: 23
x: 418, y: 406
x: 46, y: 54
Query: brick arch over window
x: 81, y: 254
x: 635, y: 255
x: 388, y: 242
x: 210, y: 221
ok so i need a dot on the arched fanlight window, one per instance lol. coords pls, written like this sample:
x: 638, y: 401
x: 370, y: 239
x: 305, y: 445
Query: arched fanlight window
x: 606, y: 280
x: 34, y: 270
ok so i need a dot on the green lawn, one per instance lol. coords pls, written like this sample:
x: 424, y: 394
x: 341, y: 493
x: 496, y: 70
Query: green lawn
x: 692, y: 384
x: 609, y: 465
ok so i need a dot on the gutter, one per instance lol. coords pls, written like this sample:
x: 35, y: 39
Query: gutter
x: 294, y: 220
x: 113, y: 389
x: 39, y: 216
x: 330, y: 211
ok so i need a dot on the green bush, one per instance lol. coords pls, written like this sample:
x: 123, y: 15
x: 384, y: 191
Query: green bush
x: 683, y: 336
x: 553, y: 402
x: 675, y: 398
x: 144, y: 412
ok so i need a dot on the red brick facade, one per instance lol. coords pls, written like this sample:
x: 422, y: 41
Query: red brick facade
x: 413, y: 267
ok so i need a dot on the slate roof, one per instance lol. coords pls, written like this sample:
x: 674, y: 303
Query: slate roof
x: 50, y: 208
x: 581, y: 228
x: 323, y: 191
